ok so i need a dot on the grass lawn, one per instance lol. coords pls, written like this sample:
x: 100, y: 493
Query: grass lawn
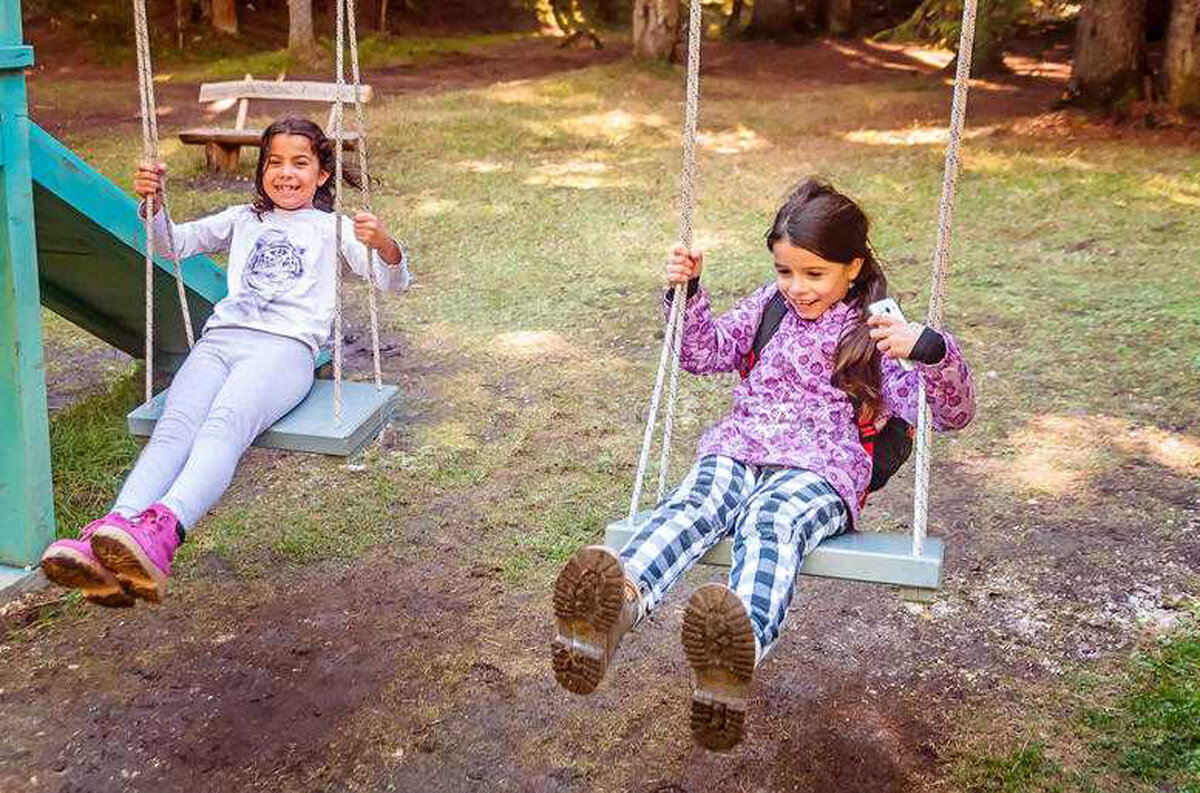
x: 538, y: 213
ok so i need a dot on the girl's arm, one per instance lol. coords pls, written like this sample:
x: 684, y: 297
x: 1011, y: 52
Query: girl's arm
x: 390, y: 260
x: 207, y: 235
x: 211, y: 234
x: 719, y: 344
x: 949, y: 390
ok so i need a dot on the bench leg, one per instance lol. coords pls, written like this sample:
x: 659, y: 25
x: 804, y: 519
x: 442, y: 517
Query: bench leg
x: 220, y: 158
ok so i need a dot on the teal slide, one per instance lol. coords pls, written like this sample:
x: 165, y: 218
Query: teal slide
x: 91, y: 265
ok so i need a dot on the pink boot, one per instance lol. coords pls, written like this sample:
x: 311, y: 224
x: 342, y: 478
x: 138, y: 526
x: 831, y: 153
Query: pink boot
x: 71, y: 564
x: 140, y: 554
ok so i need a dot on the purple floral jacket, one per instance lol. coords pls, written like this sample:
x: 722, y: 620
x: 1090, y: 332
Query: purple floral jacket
x: 787, y: 413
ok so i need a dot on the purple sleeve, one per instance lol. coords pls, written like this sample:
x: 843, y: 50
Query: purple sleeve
x: 719, y: 344
x: 949, y: 389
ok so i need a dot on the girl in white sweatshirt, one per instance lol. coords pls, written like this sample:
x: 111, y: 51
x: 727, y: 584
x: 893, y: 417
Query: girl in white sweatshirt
x: 251, y: 366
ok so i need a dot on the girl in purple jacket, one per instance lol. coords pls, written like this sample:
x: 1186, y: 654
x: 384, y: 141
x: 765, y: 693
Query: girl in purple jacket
x: 785, y: 468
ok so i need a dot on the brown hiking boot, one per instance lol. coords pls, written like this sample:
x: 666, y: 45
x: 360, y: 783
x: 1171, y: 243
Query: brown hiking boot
x: 594, y: 605
x: 718, y: 640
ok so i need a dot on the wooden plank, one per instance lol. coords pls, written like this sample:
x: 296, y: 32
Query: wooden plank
x: 310, y: 426
x: 870, y: 557
x: 296, y: 91
x: 240, y: 137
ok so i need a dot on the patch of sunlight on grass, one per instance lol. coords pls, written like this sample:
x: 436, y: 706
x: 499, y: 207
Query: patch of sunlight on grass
x: 432, y: 207
x: 913, y: 136
x: 615, y: 126
x: 531, y: 343
x: 1173, y: 188
x: 1052, y: 455
x: 483, y: 166
x: 995, y: 161
x: 735, y: 141
x: 578, y: 174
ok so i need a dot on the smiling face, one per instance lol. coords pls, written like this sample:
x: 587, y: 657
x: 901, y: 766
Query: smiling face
x: 810, y: 284
x: 292, y: 172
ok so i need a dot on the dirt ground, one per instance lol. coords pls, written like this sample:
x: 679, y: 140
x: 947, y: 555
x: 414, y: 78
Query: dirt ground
x: 418, y: 668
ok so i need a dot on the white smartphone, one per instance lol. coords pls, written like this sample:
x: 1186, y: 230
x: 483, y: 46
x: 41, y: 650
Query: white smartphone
x: 890, y: 308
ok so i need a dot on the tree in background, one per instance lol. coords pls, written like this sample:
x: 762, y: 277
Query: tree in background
x: 656, y: 26
x: 1181, y: 61
x: 1110, y: 54
x: 224, y: 16
x: 302, y: 44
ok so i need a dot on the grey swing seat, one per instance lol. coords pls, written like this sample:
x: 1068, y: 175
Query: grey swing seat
x: 868, y: 557
x: 310, y: 426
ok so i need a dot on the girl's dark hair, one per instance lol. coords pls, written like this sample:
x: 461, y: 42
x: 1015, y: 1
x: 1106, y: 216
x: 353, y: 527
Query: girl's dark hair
x: 819, y: 219
x: 326, y: 155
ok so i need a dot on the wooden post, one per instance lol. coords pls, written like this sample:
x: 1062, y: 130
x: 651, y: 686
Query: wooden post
x: 26, y: 487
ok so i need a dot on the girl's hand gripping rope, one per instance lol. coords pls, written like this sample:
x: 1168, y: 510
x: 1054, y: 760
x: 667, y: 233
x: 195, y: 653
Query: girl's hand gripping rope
x: 683, y: 265
x: 369, y: 230
x: 148, y: 184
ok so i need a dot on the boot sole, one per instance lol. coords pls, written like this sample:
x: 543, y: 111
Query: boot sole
x: 718, y: 641
x: 588, y: 597
x: 126, y: 560
x: 73, y: 570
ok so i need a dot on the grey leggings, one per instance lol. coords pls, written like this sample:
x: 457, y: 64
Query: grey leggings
x: 235, y: 383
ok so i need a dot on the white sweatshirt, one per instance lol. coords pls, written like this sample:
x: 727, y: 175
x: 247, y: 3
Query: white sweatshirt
x: 281, y: 267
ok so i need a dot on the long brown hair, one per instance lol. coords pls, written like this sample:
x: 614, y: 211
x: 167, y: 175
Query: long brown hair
x: 819, y: 219
x: 324, y: 150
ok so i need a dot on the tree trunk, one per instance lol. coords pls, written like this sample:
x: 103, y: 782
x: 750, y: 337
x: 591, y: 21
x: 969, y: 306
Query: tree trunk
x: 772, y: 19
x: 383, y: 9
x: 1110, y: 54
x: 734, y: 22
x: 655, y: 28
x: 840, y: 15
x: 1181, y: 63
x: 301, y: 42
x: 224, y: 16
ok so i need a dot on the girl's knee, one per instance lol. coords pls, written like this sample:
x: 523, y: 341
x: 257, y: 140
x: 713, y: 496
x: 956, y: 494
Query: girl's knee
x: 227, y: 425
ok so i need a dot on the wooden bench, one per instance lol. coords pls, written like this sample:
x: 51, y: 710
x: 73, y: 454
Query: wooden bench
x: 222, y: 146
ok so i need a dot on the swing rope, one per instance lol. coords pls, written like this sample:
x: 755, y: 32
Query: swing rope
x: 346, y: 24
x: 941, y: 262
x: 672, y: 339
x: 150, y: 153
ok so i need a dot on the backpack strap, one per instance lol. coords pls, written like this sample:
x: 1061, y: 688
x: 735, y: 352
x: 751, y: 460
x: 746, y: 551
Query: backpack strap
x: 772, y: 316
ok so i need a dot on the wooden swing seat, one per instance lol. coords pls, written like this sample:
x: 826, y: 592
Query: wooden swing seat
x: 868, y: 557
x: 309, y: 427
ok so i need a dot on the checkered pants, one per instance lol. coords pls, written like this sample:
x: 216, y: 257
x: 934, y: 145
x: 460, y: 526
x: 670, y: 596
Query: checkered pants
x: 775, y: 516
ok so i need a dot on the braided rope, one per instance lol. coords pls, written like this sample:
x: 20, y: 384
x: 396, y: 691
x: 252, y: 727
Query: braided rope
x: 150, y: 152
x: 687, y: 213
x: 941, y: 262
x: 346, y: 26
x: 673, y: 337
x: 338, y: 128
x: 360, y: 125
